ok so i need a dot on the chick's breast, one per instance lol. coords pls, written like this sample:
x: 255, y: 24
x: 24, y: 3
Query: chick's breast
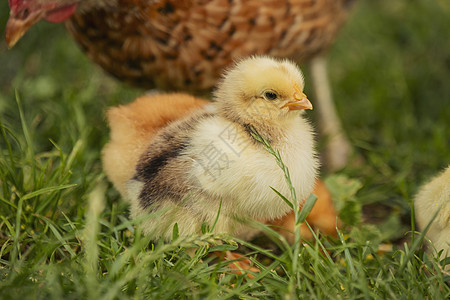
x: 232, y: 164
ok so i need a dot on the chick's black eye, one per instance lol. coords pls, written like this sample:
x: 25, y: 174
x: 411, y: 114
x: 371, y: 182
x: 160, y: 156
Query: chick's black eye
x: 270, y: 95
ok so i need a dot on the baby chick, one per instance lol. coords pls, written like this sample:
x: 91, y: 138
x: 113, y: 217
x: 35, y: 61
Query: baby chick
x: 134, y: 125
x: 209, y: 159
x: 434, y: 197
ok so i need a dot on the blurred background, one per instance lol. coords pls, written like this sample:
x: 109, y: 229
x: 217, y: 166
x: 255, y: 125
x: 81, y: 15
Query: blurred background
x: 389, y: 70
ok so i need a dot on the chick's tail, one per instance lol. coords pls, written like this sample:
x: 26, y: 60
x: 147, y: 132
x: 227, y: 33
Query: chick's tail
x: 134, y: 125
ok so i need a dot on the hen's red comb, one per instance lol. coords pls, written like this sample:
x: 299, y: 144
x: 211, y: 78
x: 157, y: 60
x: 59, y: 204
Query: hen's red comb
x: 14, y: 4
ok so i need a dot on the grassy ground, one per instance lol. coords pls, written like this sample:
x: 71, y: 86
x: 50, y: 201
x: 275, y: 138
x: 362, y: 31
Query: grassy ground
x: 65, y: 232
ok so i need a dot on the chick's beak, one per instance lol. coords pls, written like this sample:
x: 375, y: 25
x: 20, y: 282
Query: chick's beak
x: 17, y: 27
x: 300, y: 102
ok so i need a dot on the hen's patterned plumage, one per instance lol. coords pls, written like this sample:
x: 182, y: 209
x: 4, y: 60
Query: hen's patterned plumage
x: 184, y: 44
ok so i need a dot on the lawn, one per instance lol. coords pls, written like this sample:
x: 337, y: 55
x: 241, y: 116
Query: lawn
x: 65, y: 231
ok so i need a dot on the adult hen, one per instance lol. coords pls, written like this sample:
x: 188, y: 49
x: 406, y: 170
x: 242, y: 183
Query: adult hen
x: 210, y: 157
x: 433, y: 200
x: 183, y: 45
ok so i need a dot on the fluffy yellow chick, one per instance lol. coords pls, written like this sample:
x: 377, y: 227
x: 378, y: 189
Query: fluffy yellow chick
x: 192, y: 165
x: 134, y: 125
x: 434, y: 197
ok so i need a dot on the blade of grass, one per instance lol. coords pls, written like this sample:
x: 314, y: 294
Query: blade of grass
x: 54, y: 228
x: 47, y: 190
x: 96, y: 200
x: 283, y: 197
x: 26, y: 133
x: 416, y: 244
x: 306, y: 208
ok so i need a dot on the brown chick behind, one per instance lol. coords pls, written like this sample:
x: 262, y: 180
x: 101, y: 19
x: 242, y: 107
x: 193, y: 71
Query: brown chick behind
x: 134, y: 125
x: 323, y: 217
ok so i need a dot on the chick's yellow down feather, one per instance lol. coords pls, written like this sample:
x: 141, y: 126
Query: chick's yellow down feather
x: 185, y: 168
x: 434, y: 197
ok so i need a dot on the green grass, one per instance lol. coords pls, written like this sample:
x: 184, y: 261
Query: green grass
x: 65, y: 232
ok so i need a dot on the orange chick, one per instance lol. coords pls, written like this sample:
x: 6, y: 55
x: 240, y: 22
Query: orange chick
x: 323, y: 217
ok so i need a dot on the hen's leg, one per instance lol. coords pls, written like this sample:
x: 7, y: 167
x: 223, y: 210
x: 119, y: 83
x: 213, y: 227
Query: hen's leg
x: 338, y: 147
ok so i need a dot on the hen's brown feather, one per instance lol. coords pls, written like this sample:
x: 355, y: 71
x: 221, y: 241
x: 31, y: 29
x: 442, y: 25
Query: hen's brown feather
x: 184, y: 44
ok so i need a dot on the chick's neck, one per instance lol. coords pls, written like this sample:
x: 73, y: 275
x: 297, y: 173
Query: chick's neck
x: 272, y: 130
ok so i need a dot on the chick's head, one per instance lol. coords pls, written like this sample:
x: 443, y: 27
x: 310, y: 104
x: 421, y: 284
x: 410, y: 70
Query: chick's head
x: 262, y: 89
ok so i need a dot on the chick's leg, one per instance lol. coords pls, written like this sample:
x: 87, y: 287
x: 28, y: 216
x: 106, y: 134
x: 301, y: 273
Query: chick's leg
x: 239, y: 264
